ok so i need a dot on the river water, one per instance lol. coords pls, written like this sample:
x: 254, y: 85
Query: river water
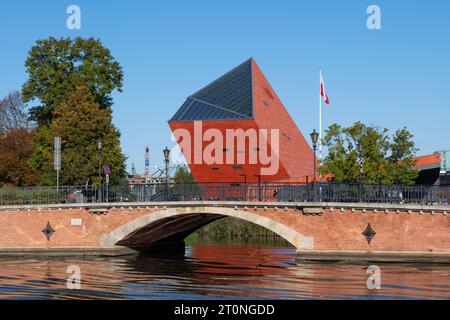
x: 213, y: 270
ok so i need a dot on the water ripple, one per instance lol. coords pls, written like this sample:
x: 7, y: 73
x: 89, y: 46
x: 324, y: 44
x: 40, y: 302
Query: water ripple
x: 213, y: 271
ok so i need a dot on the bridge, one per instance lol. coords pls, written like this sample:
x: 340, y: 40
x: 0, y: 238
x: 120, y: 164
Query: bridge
x: 322, y: 221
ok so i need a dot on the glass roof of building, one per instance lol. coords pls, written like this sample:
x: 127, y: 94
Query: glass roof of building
x: 230, y: 97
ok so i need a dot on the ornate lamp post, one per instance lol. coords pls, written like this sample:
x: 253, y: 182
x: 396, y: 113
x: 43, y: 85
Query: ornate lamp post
x: 166, y: 153
x: 259, y: 186
x: 314, y: 138
x: 245, y: 185
x: 100, y: 149
x: 359, y: 147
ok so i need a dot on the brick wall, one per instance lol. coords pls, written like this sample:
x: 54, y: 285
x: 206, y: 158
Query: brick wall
x: 335, y: 228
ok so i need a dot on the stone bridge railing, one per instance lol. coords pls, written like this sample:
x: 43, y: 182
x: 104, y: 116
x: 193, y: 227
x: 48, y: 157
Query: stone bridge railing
x: 306, y: 207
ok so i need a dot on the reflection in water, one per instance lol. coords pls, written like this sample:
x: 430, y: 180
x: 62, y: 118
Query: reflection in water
x: 208, y: 271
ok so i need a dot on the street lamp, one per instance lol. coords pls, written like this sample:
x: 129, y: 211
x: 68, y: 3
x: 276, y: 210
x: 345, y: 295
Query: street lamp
x: 100, y: 148
x: 245, y: 185
x: 166, y: 153
x: 314, y: 138
x: 259, y: 186
x: 359, y: 146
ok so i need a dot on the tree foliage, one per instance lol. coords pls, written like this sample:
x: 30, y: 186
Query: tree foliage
x: 80, y: 122
x: 70, y: 83
x: 16, y: 147
x: 13, y: 113
x: 384, y: 159
x: 16, y: 142
x: 232, y: 228
x: 183, y: 175
x: 56, y: 67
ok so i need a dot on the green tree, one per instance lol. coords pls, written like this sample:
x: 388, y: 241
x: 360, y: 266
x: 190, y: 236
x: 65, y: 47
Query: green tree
x: 401, y: 161
x: 383, y: 159
x: 183, y: 175
x: 56, y: 67
x: 80, y: 122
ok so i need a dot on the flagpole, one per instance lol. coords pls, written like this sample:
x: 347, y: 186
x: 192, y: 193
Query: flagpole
x: 320, y: 118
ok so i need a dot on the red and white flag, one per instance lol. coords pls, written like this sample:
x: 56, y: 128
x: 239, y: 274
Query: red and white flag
x: 323, y: 93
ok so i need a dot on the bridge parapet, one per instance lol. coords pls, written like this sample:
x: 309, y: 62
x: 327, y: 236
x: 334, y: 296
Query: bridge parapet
x: 102, y: 208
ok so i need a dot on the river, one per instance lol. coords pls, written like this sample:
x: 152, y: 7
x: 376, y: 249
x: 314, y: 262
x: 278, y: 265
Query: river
x: 217, y: 270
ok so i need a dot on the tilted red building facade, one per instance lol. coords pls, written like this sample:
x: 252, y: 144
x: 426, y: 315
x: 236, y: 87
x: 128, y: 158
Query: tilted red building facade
x: 241, y: 99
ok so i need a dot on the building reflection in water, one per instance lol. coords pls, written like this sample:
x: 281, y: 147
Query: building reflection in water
x: 210, y: 271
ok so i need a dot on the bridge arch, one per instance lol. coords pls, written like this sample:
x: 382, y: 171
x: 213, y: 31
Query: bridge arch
x: 187, y: 220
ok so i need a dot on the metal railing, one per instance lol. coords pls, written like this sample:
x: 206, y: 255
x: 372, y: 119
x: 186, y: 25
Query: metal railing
x: 264, y: 192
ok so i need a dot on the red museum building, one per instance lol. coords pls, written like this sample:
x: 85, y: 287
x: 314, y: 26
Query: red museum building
x: 241, y: 100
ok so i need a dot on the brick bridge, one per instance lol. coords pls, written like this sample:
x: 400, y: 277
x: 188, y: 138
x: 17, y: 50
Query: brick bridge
x: 316, y: 230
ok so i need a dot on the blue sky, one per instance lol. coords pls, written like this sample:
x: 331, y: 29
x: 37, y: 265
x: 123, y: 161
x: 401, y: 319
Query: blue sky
x: 394, y: 77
